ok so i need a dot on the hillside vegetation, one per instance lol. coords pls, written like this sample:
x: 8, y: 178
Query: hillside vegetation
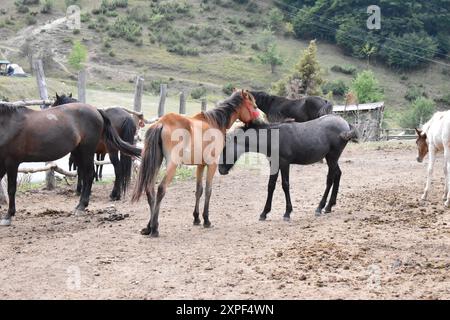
x: 201, y: 46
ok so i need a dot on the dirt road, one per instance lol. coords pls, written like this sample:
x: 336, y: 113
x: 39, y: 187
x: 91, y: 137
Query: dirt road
x: 379, y: 242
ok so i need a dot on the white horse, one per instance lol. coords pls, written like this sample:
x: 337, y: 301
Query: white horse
x: 433, y: 138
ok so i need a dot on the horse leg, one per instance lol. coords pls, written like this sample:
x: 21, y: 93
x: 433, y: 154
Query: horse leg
x: 150, y: 191
x: 270, y: 189
x: 444, y: 196
x: 87, y: 174
x: 285, y: 185
x: 116, y: 192
x: 12, y: 186
x: 208, y: 190
x: 2, y: 191
x: 100, y: 173
x: 98, y: 156
x: 431, y: 160
x: 334, y: 192
x: 330, y: 179
x: 447, y: 181
x: 198, y: 193
x: 171, y: 169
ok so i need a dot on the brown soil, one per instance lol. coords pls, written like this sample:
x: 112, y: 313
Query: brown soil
x: 379, y: 242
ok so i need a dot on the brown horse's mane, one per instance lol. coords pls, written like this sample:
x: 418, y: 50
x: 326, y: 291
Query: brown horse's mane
x: 221, y: 115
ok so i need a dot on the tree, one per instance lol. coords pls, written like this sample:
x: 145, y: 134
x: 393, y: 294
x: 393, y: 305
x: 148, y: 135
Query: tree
x: 78, y: 55
x: 421, y: 111
x: 367, y: 50
x: 366, y: 87
x: 410, y: 50
x: 271, y: 57
x: 308, y: 71
x: 306, y: 78
x: 276, y: 19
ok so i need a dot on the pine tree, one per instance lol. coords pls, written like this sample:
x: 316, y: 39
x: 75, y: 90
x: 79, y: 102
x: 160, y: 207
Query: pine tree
x: 306, y: 78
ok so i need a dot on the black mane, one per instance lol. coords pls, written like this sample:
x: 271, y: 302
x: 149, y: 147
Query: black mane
x: 11, y: 109
x: 221, y: 115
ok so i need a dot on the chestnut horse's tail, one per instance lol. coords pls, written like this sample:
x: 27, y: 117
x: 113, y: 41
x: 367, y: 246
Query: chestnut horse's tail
x: 113, y: 140
x: 152, y: 158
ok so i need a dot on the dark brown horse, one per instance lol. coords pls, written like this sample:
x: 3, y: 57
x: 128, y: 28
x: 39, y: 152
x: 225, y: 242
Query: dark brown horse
x: 27, y: 135
x: 196, y: 140
x: 280, y: 108
x: 126, y: 127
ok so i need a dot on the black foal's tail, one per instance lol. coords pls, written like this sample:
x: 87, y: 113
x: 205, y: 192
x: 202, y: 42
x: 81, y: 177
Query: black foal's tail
x: 128, y: 132
x: 351, y: 135
x: 113, y: 140
x: 151, y: 161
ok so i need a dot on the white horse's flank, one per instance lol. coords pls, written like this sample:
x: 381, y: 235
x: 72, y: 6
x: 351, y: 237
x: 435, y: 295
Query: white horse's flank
x: 437, y: 132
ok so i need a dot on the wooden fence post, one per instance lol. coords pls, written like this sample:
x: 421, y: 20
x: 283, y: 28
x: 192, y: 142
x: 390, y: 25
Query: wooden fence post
x: 137, y: 104
x: 82, y: 85
x: 2, y: 194
x: 42, y: 86
x: 182, y: 102
x: 204, y: 104
x: 162, y: 99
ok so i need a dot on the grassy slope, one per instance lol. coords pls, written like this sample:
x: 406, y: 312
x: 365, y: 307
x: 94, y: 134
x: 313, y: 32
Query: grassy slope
x: 214, y: 69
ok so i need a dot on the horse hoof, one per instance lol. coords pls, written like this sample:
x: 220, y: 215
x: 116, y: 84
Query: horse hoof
x: 318, y: 212
x: 446, y: 204
x: 145, y: 231
x: 327, y: 211
x: 285, y: 218
x: 154, y: 234
x: 262, y: 218
x: 207, y: 224
x: 114, y: 198
x: 78, y: 212
x: 5, y: 222
x: 197, y: 222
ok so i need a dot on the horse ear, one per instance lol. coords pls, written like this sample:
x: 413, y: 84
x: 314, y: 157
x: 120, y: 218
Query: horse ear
x: 235, y: 89
x: 70, y: 95
x: 57, y: 97
x: 418, y: 131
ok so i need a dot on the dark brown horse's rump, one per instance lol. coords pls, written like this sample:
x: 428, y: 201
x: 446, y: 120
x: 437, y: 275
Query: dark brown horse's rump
x: 41, y: 132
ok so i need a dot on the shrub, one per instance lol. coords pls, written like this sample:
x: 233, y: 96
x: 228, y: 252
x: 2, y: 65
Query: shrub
x: 420, y: 112
x: 78, y: 55
x: 126, y: 29
x: 337, y: 87
x: 275, y: 19
x: 183, y: 50
x: 413, y: 93
x: 30, y: 20
x: 120, y: 3
x: 345, y: 69
x: 23, y: 9
x: 366, y: 87
x: 228, y: 88
x: 47, y: 6
x: 138, y: 14
x: 198, y: 93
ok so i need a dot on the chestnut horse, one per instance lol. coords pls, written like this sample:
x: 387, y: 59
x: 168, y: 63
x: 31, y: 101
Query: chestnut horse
x: 434, y: 137
x: 27, y: 135
x: 196, y: 140
x: 126, y: 127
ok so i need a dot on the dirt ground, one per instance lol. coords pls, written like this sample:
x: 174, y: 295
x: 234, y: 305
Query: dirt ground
x: 379, y: 242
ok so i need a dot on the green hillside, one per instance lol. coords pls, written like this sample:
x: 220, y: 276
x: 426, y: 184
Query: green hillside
x: 190, y: 45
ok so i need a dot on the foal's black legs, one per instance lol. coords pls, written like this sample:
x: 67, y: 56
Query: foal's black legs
x: 116, y: 192
x: 333, y: 170
x: 270, y: 189
x: 337, y: 179
x: 285, y: 185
